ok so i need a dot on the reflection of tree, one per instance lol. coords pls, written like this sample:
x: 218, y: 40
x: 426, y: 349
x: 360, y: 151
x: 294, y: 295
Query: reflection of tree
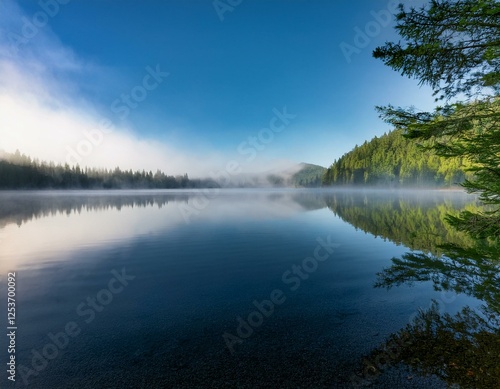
x: 310, y: 200
x: 20, y: 207
x: 462, y: 349
x: 414, y: 220
x: 474, y: 271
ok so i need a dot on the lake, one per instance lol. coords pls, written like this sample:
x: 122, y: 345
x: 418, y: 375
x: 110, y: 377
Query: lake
x: 241, y: 288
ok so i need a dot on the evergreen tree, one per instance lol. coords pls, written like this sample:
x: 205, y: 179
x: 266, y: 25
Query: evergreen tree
x: 393, y: 160
x: 454, y: 47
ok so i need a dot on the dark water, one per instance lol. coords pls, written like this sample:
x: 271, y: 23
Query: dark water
x: 160, y: 289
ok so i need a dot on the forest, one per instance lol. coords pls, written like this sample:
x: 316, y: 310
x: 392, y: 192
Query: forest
x: 393, y: 160
x: 390, y: 160
x: 454, y: 48
x: 18, y: 171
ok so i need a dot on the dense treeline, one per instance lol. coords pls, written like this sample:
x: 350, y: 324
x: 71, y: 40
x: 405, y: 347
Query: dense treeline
x: 453, y: 47
x: 393, y: 160
x: 18, y: 171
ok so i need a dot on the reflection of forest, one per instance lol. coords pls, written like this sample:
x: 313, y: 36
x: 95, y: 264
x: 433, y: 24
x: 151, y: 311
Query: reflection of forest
x: 310, y: 200
x: 416, y: 220
x: 17, y: 207
x: 461, y: 349
x: 20, y: 207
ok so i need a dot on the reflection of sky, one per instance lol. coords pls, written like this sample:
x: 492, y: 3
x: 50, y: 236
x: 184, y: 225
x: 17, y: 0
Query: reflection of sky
x: 56, y: 234
x: 60, y: 234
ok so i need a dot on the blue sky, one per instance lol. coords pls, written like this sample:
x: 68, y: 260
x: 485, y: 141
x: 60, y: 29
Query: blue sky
x: 225, y: 77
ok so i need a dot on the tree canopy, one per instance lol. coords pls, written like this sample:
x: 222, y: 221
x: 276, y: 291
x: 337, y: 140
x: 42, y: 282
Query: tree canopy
x: 392, y: 160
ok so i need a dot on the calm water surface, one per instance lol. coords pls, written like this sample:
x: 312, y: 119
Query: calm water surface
x: 162, y: 289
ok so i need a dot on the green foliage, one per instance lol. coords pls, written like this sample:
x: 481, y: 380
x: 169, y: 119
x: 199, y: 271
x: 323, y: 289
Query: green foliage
x: 454, y: 46
x: 18, y: 171
x: 393, y: 160
x: 461, y: 349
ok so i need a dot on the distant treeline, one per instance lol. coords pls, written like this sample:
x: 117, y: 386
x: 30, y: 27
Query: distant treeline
x: 393, y: 160
x: 18, y: 171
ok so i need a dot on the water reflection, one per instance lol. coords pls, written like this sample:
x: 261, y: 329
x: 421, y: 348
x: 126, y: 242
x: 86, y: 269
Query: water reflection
x: 413, y: 219
x: 46, y: 226
x: 195, y: 277
x: 21, y: 207
x: 36, y: 228
x: 461, y: 349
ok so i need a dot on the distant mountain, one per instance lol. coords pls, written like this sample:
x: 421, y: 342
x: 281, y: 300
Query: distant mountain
x: 393, y: 160
x: 300, y: 175
x: 309, y: 175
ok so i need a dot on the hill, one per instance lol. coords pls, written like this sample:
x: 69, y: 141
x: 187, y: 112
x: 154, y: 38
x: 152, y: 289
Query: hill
x: 309, y: 175
x: 393, y: 160
x: 303, y: 175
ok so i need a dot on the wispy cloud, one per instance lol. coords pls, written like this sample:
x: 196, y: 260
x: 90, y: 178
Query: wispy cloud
x: 43, y: 112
